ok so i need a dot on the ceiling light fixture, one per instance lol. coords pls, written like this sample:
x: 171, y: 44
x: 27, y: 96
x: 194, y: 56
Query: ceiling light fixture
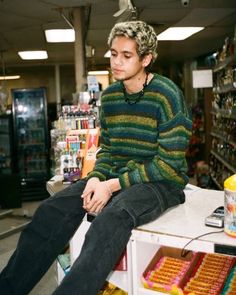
x: 60, y: 35
x: 31, y: 55
x: 178, y: 33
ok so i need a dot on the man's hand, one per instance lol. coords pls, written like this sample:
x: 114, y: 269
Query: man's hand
x: 96, y: 195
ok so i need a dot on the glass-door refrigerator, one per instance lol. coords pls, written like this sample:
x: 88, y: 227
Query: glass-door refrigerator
x: 9, y: 179
x: 31, y: 141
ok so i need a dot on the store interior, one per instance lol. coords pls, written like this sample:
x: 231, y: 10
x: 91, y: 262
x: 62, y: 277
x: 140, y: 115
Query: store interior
x: 63, y: 91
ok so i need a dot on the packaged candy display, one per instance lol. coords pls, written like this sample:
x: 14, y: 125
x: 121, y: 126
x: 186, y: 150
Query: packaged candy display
x: 194, y: 274
x: 78, y: 154
x: 168, y: 269
x: 210, y: 275
x: 67, y: 150
x: 71, y: 175
x: 167, y: 272
x: 70, y: 136
x: 230, y: 285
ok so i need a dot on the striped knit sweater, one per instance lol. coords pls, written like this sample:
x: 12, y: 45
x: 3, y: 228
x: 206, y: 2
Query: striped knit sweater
x: 146, y: 141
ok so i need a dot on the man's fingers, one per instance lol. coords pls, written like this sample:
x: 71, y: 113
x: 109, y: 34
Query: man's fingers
x: 94, y: 206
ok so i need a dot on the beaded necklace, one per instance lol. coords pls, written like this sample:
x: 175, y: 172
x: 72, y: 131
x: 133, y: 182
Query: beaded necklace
x: 140, y: 95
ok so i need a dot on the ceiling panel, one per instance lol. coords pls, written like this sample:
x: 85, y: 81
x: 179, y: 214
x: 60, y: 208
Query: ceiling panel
x: 205, y: 16
x: 22, y: 24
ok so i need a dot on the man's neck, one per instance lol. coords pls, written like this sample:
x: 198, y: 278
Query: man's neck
x: 136, y: 84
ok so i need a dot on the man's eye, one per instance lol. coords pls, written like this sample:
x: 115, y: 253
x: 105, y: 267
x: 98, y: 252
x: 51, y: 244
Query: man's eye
x: 127, y: 56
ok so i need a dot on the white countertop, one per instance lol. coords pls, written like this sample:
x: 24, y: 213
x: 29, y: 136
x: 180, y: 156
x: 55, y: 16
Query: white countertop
x: 184, y: 221
x: 187, y: 220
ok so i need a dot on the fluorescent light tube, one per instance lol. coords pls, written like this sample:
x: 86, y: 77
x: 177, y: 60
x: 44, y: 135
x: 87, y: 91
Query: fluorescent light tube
x: 35, y: 54
x: 60, y: 35
x: 10, y: 77
x: 178, y: 33
x: 98, y: 73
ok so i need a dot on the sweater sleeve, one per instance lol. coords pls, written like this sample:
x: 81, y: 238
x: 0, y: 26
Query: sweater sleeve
x: 169, y: 163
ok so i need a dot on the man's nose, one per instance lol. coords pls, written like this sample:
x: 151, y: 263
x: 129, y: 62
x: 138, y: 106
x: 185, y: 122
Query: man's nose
x: 118, y: 60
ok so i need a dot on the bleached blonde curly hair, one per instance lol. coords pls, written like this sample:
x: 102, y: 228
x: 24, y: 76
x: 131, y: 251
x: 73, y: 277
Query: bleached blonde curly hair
x: 141, y: 32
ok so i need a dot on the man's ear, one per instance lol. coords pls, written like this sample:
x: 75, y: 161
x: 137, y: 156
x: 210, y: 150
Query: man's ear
x: 147, y: 59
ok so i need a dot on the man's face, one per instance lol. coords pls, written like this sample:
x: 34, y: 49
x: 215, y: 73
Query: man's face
x: 125, y: 62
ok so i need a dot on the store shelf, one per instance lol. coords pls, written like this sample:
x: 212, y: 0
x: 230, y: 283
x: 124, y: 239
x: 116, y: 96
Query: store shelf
x: 143, y: 291
x: 225, y: 137
x: 229, y: 114
x: 119, y: 279
x: 222, y: 65
x: 225, y: 88
x: 216, y: 182
x: 223, y: 120
x: 224, y: 161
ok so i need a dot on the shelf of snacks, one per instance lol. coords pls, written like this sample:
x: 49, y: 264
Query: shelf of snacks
x: 71, y: 135
x: 225, y: 62
x: 220, y: 170
x: 171, y: 272
x: 222, y: 160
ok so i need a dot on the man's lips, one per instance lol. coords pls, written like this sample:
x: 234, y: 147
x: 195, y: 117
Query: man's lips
x: 117, y: 71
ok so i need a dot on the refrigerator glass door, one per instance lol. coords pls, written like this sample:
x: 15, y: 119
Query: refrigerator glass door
x: 5, y: 145
x: 31, y: 133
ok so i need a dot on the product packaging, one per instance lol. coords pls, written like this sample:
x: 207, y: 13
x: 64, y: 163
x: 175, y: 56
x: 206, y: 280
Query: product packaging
x: 230, y: 206
x: 169, y: 269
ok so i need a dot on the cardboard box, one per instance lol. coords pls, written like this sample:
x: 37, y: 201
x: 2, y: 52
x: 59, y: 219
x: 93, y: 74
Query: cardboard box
x: 92, y: 140
x: 182, y: 277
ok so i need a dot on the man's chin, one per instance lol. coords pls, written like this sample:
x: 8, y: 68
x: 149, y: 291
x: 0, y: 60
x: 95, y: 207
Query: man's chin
x: 118, y: 78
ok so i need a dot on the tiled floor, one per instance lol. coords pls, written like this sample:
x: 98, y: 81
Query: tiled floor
x: 8, y: 244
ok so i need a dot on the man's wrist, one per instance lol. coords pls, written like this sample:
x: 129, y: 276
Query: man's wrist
x: 113, y: 184
x: 94, y: 179
x: 108, y: 188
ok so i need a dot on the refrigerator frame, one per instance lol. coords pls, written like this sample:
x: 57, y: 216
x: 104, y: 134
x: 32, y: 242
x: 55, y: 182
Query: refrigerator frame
x: 32, y: 188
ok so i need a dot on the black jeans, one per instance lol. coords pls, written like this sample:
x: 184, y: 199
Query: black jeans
x: 55, y: 222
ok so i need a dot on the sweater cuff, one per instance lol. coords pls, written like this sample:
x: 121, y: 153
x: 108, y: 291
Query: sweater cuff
x: 124, y: 180
x: 100, y: 176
